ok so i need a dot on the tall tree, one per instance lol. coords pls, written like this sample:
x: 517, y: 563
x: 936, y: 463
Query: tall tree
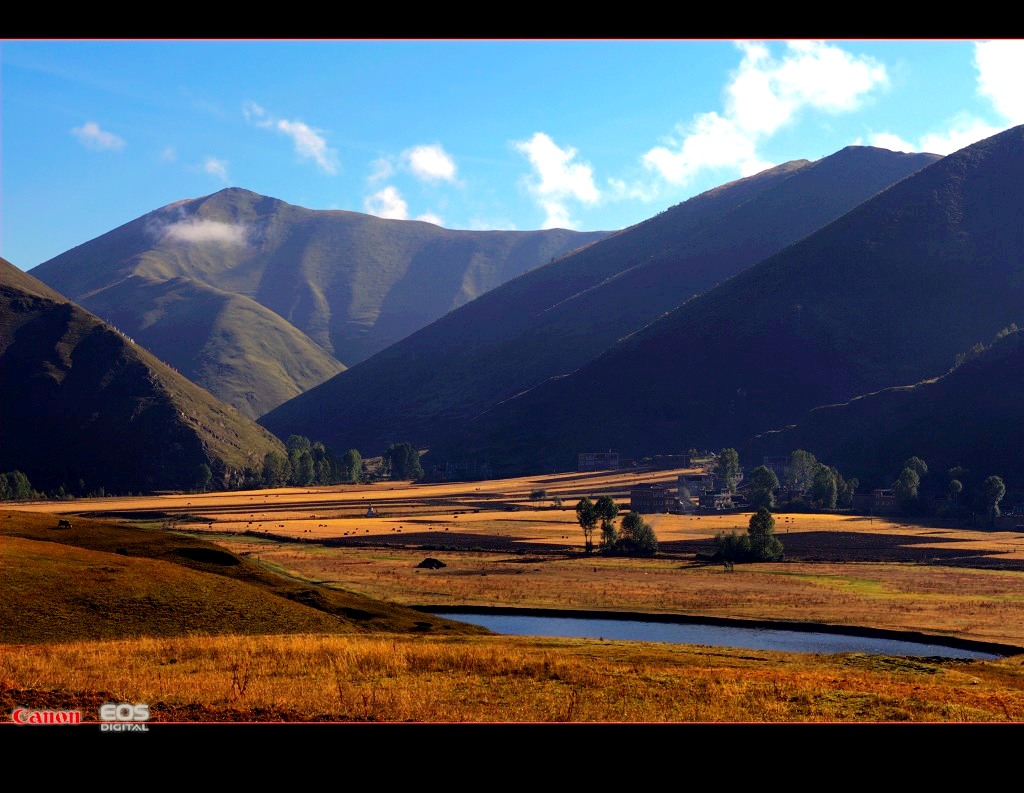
x: 906, y: 488
x: 298, y: 443
x: 763, y: 484
x: 301, y: 462
x: 203, y: 477
x: 402, y: 460
x: 15, y: 486
x: 824, y: 490
x: 607, y: 510
x: 847, y: 488
x: 764, y: 545
x: 637, y: 536
x: 919, y: 466
x: 955, y: 489
x: 993, y: 489
x: 800, y: 470
x: 586, y: 516
x: 352, y: 465
x: 728, y: 468
x: 276, y: 469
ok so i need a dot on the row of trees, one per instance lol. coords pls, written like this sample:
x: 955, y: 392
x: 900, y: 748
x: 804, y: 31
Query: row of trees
x: 958, y: 492
x: 309, y: 462
x: 822, y: 486
x: 633, y: 537
x: 306, y: 463
x: 15, y: 486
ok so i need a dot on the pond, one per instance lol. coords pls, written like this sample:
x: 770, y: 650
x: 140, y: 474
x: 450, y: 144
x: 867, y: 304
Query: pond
x: 681, y: 630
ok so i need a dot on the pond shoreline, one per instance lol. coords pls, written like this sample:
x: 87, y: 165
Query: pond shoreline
x: 953, y: 642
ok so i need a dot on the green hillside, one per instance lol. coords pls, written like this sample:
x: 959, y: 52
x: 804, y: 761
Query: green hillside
x: 242, y: 353
x: 349, y: 283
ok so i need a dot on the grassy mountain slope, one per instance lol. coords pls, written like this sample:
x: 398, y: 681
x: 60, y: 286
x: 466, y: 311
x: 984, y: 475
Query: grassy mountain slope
x: 351, y: 283
x: 239, y: 351
x: 555, y: 318
x: 118, y: 581
x: 82, y: 402
x: 885, y: 296
x: 972, y: 416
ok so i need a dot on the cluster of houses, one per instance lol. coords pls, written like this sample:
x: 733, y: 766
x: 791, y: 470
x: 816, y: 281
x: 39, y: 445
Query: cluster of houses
x: 706, y: 492
x: 692, y: 492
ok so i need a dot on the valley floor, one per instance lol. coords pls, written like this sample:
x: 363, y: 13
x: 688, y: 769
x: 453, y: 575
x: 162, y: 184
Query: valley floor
x: 501, y: 547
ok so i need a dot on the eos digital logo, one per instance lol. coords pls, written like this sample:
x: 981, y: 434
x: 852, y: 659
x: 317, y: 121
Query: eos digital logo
x: 124, y: 717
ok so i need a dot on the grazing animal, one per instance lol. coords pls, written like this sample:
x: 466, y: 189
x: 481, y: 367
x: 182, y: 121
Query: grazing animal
x: 63, y: 524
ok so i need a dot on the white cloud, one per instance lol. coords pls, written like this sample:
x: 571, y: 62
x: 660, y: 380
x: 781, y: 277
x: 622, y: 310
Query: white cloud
x: 620, y: 189
x: 387, y: 203
x: 169, y: 154
x: 765, y: 94
x: 430, y: 217
x: 92, y: 137
x: 382, y: 169
x: 962, y: 131
x: 218, y: 168
x: 1000, y: 65
x: 712, y: 141
x: 196, y: 230
x: 255, y: 114
x: 309, y: 143
x: 430, y: 163
x: 557, y: 179
x: 886, y: 140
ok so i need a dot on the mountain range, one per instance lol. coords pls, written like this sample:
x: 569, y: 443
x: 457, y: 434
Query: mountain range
x: 817, y: 305
x: 885, y: 296
x: 553, y: 320
x: 258, y: 300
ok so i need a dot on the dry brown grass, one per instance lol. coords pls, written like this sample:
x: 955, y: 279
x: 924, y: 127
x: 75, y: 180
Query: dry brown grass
x: 490, y: 679
x: 501, y: 548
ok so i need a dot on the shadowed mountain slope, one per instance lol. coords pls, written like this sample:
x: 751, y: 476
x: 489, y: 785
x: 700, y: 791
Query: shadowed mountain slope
x: 554, y: 319
x: 973, y: 416
x: 351, y: 283
x: 80, y: 402
x: 885, y: 296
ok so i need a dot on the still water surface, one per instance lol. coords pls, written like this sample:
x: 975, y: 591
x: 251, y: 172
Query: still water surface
x: 715, y: 635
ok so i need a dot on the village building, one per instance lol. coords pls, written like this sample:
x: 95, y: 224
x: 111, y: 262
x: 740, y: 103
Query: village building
x: 880, y: 501
x: 597, y: 461
x: 696, y: 484
x: 715, y: 500
x: 651, y: 499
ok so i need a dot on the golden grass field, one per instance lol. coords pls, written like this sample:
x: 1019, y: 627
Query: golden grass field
x: 501, y: 548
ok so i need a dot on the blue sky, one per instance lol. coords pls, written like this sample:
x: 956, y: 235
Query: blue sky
x: 468, y: 134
